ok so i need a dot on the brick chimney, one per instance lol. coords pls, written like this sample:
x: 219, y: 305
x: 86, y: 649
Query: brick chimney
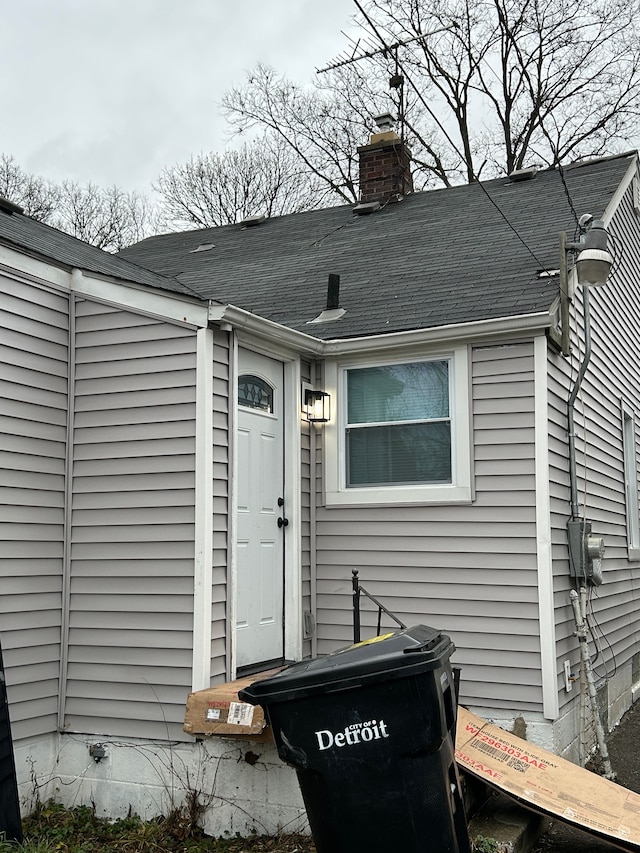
x: 385, y: 166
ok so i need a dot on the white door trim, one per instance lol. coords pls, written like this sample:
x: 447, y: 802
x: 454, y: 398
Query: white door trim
x: 292, y: 480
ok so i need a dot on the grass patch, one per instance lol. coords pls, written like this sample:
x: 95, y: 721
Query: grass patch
x: 54, y: 829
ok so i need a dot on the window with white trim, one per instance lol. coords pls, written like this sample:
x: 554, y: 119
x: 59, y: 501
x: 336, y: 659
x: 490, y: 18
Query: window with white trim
x: 631, y: 481
x: 401, y: 433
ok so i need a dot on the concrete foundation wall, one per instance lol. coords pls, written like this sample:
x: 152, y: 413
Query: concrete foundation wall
x: 562, y: 736
x: 244, y: 785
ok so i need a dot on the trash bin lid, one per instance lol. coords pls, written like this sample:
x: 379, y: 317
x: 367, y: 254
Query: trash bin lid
x: 396, y: 655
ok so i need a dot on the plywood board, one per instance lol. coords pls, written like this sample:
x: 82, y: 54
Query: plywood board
x: 546, y: 783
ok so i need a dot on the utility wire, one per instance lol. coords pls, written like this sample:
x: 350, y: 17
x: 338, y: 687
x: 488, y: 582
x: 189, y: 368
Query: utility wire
x: 387, y: 49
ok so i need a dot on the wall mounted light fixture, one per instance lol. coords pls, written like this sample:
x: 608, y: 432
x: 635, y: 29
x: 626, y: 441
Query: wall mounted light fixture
x: 316, y: 406
x: 594, y: 261
x: 593, y: 264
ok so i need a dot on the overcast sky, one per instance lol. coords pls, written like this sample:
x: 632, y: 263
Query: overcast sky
x: 110, y: 91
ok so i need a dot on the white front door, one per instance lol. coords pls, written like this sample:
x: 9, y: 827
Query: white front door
x: 260, y: 489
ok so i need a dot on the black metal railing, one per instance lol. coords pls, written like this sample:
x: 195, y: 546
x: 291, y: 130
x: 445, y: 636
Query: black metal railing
x: 358, y: 591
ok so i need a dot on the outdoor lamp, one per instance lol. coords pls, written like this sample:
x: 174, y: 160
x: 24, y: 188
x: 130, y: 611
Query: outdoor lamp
x: 317, y: 406
x: 593, y: 264
x: 594, y: 261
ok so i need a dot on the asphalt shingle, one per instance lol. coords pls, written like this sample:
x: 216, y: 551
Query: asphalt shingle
x: 46, y: 243
x: 441, y: 257
x: 444, y: 256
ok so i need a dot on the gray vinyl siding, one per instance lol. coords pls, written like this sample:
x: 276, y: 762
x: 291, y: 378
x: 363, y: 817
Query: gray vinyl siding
x: 470, y: 571
x: 33, y: 405
x: 559, y: 493
x: 221, y: 508
x: 613, y: 374
x: 132, y: 538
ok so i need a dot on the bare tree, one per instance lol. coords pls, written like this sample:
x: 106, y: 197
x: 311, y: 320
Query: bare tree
x: 322, y: 125
x: 263, y: 177
x: 481, y: 88
x: 37, y: 197
x: 107, y: 218
x: 518, y: 80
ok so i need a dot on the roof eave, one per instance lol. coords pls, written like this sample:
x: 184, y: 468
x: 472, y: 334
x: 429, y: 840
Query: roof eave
x: 244, y: 321
x: 241, y: 320
x: 455, y: 332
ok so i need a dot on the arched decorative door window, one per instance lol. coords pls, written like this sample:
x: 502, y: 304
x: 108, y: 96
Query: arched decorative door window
x: 255, y: 393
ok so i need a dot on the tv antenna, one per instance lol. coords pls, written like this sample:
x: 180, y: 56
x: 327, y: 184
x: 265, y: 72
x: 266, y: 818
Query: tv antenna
x: 396, y: 80
x: 374, y: 48
x: 370, y: 48
x: 387, y: 50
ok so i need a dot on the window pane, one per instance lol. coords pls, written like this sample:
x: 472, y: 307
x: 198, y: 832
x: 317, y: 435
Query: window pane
x: 411, y: 453
x: 255, y: 393
x: 398, y: 392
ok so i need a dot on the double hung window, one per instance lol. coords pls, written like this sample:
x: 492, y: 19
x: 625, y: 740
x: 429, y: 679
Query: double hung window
x: 401, y: 432
x: 398, y: 428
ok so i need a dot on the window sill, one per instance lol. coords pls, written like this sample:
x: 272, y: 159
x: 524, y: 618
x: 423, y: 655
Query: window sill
x: 392, y: 495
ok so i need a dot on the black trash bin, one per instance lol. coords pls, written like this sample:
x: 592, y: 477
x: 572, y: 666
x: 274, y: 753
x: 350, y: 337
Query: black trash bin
x: 10, y: 824
x: 370, y: 731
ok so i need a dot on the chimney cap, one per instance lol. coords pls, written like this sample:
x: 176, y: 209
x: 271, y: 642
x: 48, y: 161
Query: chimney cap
x: 384, y: 122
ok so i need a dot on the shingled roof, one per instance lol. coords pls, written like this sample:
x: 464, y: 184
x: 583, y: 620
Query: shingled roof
x: 442, y: 257
x: 45, y: 243
x: 466, y: 253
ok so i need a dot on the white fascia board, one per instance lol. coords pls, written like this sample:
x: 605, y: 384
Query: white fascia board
x: 241, y: 320
x: 251, y: 324
x: 450, y: 334
x: 153, y: 303
x: 618, y: 195
x: 140, y: 298
x: 39, y: 272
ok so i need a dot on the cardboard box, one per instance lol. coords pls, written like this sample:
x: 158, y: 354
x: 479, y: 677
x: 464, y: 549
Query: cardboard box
x: 547, y: 783
x: 219, y: 711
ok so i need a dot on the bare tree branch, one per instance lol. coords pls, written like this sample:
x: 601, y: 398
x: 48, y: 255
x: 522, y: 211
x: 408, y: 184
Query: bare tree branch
x: 37, y: 197
x: 488, y: 88
x: 263, y: 177
x: 107, y: 218
x: 521, y: 78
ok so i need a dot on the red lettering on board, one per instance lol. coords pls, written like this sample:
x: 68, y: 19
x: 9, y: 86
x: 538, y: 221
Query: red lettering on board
x: 478, y: 766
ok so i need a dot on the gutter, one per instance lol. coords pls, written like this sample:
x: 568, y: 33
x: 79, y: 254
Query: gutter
x: 439, y: 334
x: 241, y: 320
x: 244, y: 321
